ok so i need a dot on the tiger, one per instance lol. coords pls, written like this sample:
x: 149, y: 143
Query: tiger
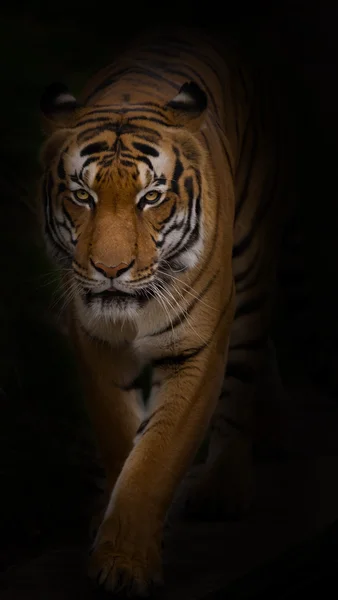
x: 163, y: 197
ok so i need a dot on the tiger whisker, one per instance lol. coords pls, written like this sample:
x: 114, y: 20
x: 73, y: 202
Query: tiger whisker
x: 161, y: 299
x: 187, y: 316
x: 187, y: 289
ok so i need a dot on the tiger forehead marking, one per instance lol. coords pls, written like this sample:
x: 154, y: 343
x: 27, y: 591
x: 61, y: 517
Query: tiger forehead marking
x: 88, y: 159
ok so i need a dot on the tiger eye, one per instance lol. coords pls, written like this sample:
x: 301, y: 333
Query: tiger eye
x: 81, y: 195
x: 152, y: 196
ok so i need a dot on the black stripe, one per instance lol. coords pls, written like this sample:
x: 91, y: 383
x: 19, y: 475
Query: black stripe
x: 145, y: 149
x: 178, y: 359
x: 158, y: 422
x: 175, y: 227
x: 147, y: 424
x: 74, y: 177
x: 129, y: 127
x: 94, y: 148
x: 244, y: 244
x: 137, y: 129
x: 252, y: 305
x: 244, y: 274
x: 152, y: 120
x: 142, y: 426
x: 213, y: 245
x: 142, y: 107
x: 127, y: 163
x: 145, y: 108
x: 185, y: 244
x: 77, y: 264
x: 61, y: 188
x: 171, y: 214
x: 108, y: 108
x: 64, y: 225
x: 94, y: 120
x: 194, y: 235
x: 145, y: 160
x: 61, y: 168
x: 128, y: 156
x: 68, y: 216
x: 206, y: 141
x: 115, y: 127
x: 250, y: 284
x: 134, y: 105
x: 180, y: 245
x: 146, y: 138
x: 158, y: 243
x: 50, y: 228
x: 86, y: 164
x: 178, y: 170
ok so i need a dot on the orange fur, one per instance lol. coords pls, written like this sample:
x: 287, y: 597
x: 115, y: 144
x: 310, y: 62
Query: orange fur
x: 225, y: 167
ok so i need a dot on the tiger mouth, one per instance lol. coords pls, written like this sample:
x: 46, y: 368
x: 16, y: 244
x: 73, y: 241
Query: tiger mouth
x: 117, y: 295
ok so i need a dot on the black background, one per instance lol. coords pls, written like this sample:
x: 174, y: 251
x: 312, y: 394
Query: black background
x: 47, y: 464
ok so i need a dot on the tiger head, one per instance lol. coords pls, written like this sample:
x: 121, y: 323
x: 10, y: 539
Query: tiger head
x: 123, y: 196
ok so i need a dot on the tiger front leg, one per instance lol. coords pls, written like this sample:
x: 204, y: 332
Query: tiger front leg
x: 127, y: 549
x: 113, y: 406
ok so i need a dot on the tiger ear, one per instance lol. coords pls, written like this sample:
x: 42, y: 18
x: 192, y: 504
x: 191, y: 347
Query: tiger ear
x: 188, y: 108
x: 57, y: 106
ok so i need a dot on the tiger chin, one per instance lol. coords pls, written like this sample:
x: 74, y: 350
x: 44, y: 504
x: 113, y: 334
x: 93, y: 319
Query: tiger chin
x: 152, y: 208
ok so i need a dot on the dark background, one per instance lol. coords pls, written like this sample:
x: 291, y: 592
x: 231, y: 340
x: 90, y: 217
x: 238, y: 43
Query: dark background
x: 48, y: 469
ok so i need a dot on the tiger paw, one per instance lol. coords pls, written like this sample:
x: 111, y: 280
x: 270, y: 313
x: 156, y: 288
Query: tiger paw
x: 126, y: 558
x: 221, y: 493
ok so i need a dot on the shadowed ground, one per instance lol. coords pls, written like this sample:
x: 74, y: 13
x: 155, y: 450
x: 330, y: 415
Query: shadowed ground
x: 297, y: 499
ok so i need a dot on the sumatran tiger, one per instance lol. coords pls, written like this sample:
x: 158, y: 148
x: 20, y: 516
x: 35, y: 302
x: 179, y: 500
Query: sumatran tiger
x: 163, y: 200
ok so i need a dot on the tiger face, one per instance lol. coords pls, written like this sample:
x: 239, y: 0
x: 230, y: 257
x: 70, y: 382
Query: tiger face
x: 123, y: 203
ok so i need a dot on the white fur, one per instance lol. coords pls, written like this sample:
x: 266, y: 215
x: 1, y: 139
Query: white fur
x: 74, y: 163
x: 184, y: 98
x: 113, y: 324
x: 63, y: 98
x: 160, y: 163
x: 143, y: 173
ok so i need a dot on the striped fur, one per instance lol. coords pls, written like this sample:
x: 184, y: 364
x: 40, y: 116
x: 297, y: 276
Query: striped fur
x: 164, y: 200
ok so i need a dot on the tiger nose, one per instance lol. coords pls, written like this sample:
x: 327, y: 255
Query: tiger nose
x: 111, y: 271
